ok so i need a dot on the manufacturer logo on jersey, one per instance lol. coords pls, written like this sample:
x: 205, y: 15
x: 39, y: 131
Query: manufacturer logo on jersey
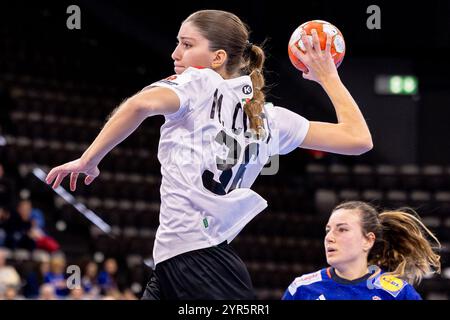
x: 305, y: 280
x: 247, y: 89
x: 321, y: 297
x: 376, y: 298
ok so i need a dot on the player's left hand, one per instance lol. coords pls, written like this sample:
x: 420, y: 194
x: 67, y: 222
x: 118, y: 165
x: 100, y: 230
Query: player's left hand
x: 320, y: 63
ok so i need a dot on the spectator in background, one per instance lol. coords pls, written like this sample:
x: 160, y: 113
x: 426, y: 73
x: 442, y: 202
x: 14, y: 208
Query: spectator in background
x: 107, y: 278
x: 12, y: 293
x: 77, y: 294
x: 128, y: 294
x: 9, y: 277
x: 89, y: 280
x: 57, y: 276
x: 19, y: 234
x: 35, y: 279
x: 47, y: 292
x: 5, y: 227
x: 37, y: 217
x: 32, y: 226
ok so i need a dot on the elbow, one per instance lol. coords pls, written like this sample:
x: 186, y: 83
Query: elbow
x: 136, y: 105
x: 363, y: 145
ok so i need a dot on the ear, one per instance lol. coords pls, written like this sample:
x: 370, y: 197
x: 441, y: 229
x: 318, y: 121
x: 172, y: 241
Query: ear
x: 219, y: 58
x: 369, y: 241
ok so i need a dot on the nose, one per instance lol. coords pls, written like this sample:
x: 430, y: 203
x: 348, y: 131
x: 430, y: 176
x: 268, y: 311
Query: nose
x: 329, y: 238
x: 176, y: 54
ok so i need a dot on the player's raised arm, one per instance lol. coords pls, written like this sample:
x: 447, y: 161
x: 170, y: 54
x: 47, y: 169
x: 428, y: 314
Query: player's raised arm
x: 122, y: 123
x: 350, y: 135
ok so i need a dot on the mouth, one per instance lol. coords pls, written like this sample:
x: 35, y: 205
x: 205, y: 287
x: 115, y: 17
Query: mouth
x: 331, y: 250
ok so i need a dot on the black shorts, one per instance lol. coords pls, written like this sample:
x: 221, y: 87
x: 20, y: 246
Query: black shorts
x: 214, y: 273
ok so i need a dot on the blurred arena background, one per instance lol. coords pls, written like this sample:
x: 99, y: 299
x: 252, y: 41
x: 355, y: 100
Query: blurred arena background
x: 57, y: 86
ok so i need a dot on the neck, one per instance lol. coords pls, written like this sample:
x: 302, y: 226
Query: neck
x: 352, y: 271
x: 224, y: 74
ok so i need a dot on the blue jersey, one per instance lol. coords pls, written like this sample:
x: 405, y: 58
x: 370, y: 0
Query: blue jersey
x: 327, y: 285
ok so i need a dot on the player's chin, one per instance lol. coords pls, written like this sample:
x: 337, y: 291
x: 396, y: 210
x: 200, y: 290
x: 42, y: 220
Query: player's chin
x: 331, y: 260
x: 179, y: 70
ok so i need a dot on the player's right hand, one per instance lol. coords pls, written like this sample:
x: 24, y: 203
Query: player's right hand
x: 75, y: 167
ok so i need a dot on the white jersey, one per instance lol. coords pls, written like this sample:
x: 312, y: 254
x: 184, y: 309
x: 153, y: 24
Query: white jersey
x: 209, y: 160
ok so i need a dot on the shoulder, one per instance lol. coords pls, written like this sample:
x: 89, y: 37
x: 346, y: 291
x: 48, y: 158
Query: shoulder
x: 274, y: 113
x: 307, y: 279
x: 395, y: 286
x: 190, y: 77
x: 280, y: 114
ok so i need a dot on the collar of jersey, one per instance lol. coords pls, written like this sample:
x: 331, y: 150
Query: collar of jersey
x: 233, y: 81
x: 332, y: 274
x: 238, y: 81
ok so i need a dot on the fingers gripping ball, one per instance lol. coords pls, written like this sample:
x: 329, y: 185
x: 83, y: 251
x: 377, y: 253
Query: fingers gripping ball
x: 323, y: 28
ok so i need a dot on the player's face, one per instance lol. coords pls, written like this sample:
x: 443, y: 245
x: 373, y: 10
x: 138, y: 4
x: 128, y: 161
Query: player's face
x: 192, y: 49
x: 344, y: 240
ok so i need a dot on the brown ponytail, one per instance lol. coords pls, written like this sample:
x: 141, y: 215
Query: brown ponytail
x: 405, y: 250
x: 402, y: 242
x: 254, y: 65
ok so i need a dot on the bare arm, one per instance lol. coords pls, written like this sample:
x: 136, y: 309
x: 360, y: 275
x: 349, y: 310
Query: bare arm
x: 350, y: 135
x: 129, y: 115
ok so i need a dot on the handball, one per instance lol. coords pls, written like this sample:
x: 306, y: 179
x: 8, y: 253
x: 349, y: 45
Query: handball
x: 323, y: 28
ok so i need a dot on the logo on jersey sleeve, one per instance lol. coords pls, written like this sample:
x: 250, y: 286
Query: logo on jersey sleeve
x: 390, y: 284
x: 171, y: 78
x: 247, y: 89
x: 179, y: 79
x: 305, y: 280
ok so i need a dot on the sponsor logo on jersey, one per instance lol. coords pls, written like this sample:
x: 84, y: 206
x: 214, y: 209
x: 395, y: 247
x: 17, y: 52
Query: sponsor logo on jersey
x: 168, y: 82
x: 390, y: 284
x: 305, y: 280
x: 376, y: 298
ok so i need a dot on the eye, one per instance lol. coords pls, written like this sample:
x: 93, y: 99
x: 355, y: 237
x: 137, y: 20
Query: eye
x: 342, y: 230
x: 186, y: 45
